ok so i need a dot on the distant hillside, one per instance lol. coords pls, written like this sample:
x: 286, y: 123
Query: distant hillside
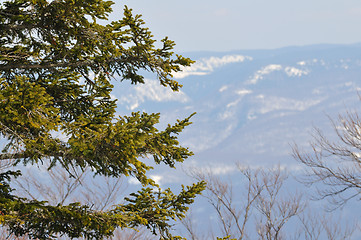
x: 251, y: 105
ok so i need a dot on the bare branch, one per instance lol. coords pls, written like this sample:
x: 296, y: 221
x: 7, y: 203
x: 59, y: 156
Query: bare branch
x: 335, y: 164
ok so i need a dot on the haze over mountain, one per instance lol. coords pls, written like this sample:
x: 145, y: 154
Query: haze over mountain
x: 252, y: 105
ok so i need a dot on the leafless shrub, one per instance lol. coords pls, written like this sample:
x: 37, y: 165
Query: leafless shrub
x: 315, y: 226
x: 275, y: 210
x: 58, y: 186
x: 262, y: 207
x: 261, y: 192
x: 192, y: 228
x: 335, y: 164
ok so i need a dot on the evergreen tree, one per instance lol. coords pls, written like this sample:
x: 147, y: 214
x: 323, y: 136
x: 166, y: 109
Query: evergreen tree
x: 56, y: 67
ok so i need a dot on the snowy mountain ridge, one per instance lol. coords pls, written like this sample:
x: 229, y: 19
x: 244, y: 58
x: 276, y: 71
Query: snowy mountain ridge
x: 252, y: 104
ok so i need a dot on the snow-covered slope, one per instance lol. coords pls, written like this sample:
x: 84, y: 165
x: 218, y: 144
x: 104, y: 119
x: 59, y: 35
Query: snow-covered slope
x: 252, y: 105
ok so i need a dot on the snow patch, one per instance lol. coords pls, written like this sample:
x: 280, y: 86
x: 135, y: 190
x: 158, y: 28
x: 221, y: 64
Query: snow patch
x: 243, y: 92
x: 264, y: 71
x: 290, y: 71
x: 226, y: 115
x: 156, y: 178
x: 223, y: 88
x: 230, y: 113
x: 269, y: 104
x: 153, y: 91
x: 207, y: 65
x: 234, y: 103
x: 295, y: 72
x: 205, y: 139
x: 133, y: 181
x: 301, y: 63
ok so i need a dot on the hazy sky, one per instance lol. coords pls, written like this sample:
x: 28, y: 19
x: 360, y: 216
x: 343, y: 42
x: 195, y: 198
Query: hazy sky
x: 249, y: 24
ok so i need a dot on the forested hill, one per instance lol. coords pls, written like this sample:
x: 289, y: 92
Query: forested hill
x: 252, y: 105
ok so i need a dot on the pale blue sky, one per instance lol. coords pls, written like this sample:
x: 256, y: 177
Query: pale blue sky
x: 249, y: 24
